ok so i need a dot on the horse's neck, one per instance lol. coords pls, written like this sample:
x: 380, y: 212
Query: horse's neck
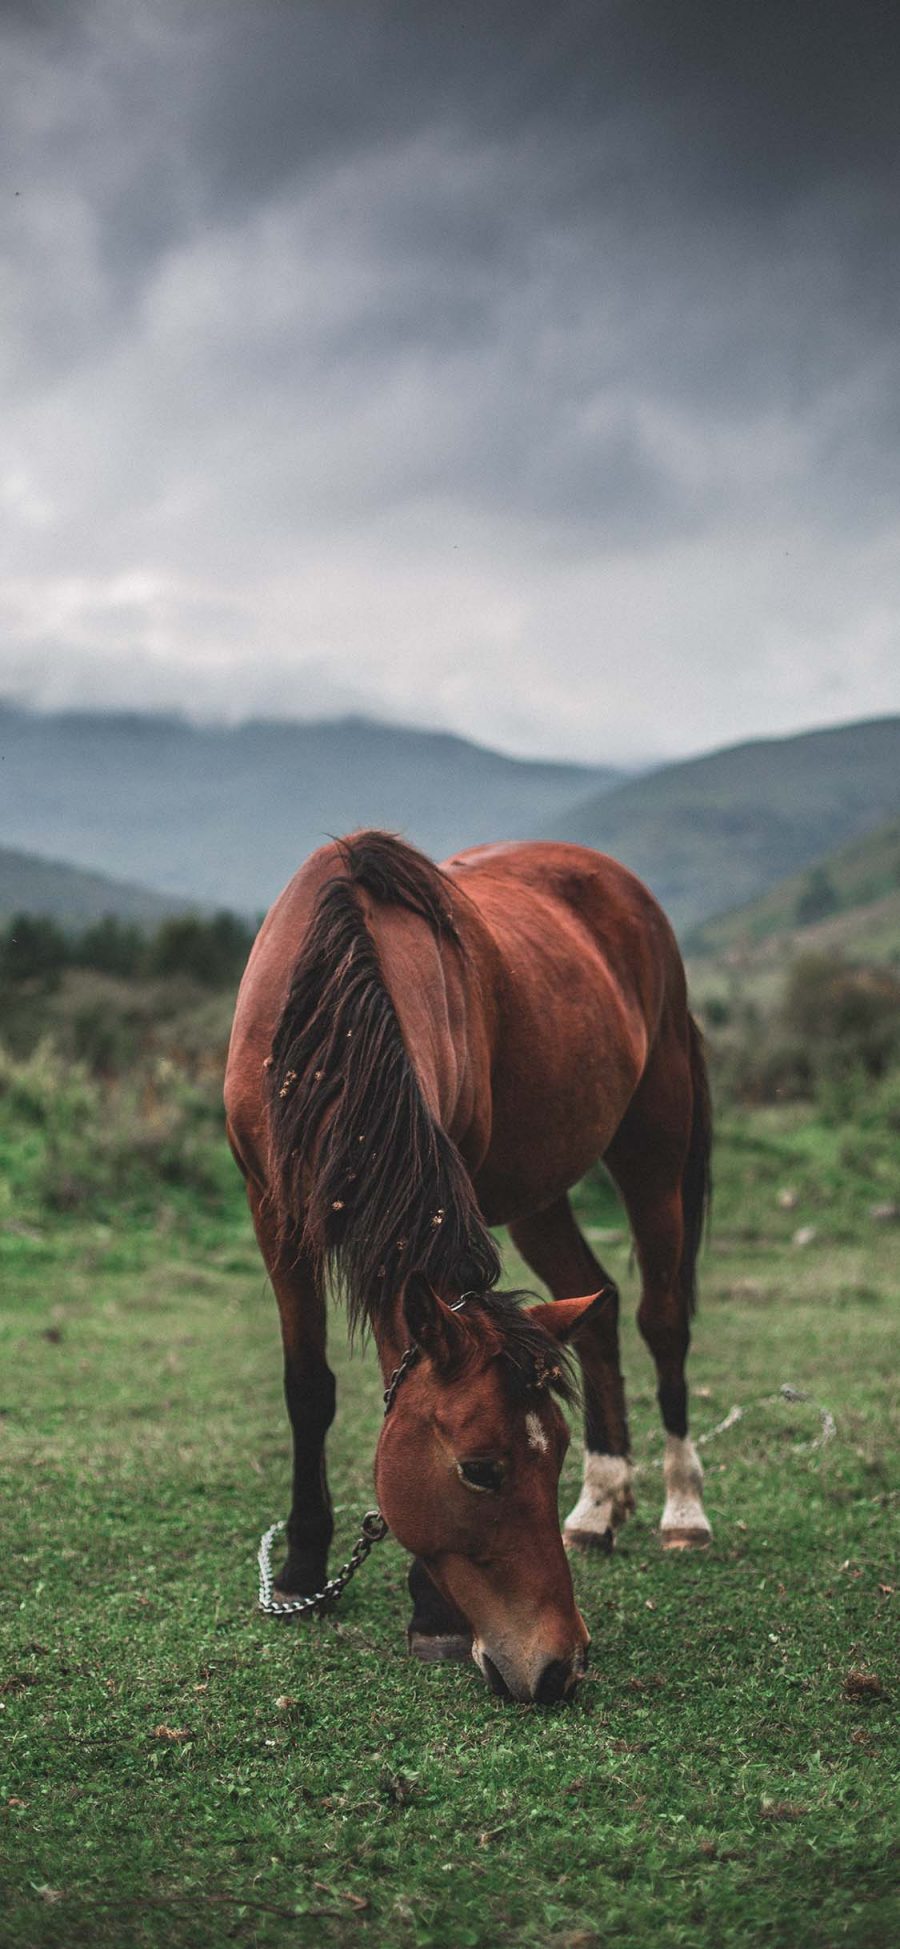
x: 438, y: 1011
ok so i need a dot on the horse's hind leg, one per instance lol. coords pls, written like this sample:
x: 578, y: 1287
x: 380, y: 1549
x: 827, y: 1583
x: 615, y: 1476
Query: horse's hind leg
x: 310, y: 1397
x: 653, y: 1160
x: 552, y: 1244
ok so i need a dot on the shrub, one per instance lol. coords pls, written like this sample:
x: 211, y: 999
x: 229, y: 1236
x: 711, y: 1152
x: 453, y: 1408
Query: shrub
x: 124, y: 1144
x: 32, y: 949
x: 104, y: 1039
x: 849, y: 1017
x: 213, y: 952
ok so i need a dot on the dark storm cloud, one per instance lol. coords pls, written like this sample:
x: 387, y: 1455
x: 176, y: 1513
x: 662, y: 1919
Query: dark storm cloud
x: 561, y: 285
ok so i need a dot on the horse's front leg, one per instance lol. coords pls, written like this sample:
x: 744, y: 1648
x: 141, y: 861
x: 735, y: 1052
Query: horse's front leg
x: 310, y: 1396
x: 437, y: 1630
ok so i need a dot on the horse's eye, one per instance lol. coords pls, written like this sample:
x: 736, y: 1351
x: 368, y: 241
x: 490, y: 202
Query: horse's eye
x: 487, y: 1476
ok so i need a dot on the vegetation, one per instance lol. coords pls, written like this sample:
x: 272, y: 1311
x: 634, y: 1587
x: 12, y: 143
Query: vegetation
x: 818, y: 897
x: 177, y: 1770
x: 850, y: 899
x: 833, y: 1030
x: 35, y: 949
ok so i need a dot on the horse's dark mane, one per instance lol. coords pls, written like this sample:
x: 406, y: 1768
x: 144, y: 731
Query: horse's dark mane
x: 362, y: 1177
x: 400, y: 876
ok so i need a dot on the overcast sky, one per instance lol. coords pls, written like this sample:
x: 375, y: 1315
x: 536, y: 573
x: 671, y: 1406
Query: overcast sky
x: 530, y: 371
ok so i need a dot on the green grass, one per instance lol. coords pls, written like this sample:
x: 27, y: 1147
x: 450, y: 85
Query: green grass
x: 715, y: 1782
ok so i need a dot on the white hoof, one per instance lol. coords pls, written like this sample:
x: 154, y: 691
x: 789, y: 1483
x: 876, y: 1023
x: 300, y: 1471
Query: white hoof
x: 684, y: 1523
x: 696, y: 1538
x: 605, y: 1501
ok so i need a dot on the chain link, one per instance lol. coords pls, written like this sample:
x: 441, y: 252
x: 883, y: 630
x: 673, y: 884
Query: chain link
x: 374, y: 1530
x: 409, y: 1360
x: 786, y: 1392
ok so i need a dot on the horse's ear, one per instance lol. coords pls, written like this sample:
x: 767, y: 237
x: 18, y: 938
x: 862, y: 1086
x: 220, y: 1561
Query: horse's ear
x: 431, y: 1324
x: 564, y: 1318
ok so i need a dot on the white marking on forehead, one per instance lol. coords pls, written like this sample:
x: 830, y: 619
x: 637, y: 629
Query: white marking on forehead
x: 537, y: 1438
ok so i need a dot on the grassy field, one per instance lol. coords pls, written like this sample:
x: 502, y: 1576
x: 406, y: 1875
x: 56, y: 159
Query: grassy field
x: 177, y: 1770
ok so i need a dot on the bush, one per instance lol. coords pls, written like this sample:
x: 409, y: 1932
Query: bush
x: 77, y: 1144
x: 834, y: 1032
x: 848, y: 1017
x: 104, y: 1039
x: 32, y: 949
x: 716, y: 1012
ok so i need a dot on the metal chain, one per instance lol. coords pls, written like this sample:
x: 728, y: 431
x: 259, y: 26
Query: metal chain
x: 786, y: 1392
x: 374, y: 1530
x: 409, y: 1360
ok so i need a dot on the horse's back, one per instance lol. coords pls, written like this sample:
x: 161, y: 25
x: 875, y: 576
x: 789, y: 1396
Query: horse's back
x: 587, y: 975
x: 574, y: 900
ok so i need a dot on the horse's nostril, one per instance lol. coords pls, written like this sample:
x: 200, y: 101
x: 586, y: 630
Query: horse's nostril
x: 495, y: 1679
x: 553, y: 1681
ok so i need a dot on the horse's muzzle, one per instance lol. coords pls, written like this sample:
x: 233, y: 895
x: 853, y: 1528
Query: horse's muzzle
x: 556, y: 1681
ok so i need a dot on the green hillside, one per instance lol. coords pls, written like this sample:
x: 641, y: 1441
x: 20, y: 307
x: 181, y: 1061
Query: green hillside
x: 848, y: 899
x: 29, y: 884
x: 718, y: 831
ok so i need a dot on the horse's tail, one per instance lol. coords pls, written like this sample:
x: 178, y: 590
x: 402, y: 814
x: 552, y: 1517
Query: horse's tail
x: 696, y: 1176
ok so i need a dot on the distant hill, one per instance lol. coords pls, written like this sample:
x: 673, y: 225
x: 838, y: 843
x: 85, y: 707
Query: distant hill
x: 225, y: 816
x: 67, y: 894
x: 718, y: 831
x: 850, y: 899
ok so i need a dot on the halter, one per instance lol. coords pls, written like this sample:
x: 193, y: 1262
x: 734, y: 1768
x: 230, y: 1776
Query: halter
x: 373, y: 1528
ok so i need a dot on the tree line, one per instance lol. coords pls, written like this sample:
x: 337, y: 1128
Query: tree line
x: 212, y: 950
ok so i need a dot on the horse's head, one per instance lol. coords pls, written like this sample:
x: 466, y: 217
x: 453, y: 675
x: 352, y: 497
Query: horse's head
x: 467, y: 1471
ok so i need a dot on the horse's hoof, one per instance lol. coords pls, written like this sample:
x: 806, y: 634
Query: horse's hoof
x: 446, y: 1648
x: 590, y: 1542
x: 696, y: 1538
x: 280, y: 1596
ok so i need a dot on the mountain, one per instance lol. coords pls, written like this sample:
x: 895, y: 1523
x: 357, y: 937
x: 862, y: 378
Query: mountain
x: 225, y: 816
x: 717, y: 831
x: 848, y: 900
x: 29, y: 884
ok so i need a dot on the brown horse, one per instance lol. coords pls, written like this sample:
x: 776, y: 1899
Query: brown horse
x: 419, y: 1053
